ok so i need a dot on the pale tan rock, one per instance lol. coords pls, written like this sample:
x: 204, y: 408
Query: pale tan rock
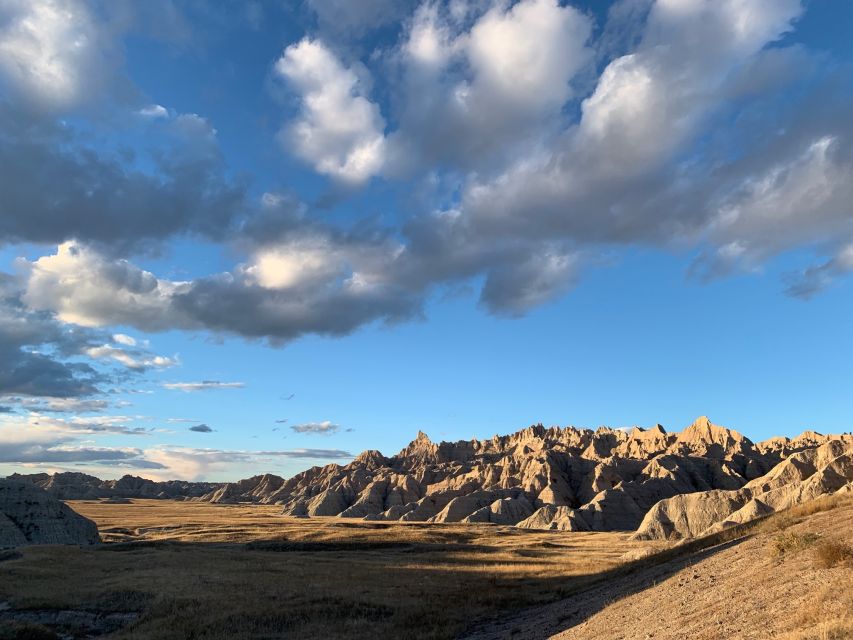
x: 805, y: 475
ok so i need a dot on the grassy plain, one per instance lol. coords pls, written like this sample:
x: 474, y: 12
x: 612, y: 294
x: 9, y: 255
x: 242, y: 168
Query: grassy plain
x: 197, y: 570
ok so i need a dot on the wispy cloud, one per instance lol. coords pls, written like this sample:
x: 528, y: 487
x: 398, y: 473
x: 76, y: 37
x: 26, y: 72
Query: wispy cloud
x: 204, y: 385
x: 324, y: 428
x: 65, y: 405
x: 129, y: 359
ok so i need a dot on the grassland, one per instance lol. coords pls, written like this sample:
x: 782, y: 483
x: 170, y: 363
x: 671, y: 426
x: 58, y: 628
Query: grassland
x: 195, y: 570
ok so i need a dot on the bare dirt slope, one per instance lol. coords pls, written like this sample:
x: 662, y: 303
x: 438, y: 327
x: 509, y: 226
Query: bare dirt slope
x: 773, y: 584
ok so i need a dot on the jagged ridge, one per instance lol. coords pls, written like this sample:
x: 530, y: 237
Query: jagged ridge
x: 552, y: 478
x: 557, y: 478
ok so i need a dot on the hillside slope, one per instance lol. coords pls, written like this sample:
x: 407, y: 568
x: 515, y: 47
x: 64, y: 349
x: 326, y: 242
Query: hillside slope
x: 773, y: 584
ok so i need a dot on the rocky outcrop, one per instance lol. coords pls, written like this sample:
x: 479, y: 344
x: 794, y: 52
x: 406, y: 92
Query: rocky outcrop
x: 810, y: 473
x: 551, y: 478
x: 29, y: 515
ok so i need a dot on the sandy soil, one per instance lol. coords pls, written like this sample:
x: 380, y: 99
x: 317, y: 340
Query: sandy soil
x: 736, y: 590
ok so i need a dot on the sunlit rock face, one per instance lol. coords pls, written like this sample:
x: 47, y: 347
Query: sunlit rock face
x: 551, y: 478
x: 824, y: 469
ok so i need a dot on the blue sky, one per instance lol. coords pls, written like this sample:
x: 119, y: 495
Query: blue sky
x: 312, y: 228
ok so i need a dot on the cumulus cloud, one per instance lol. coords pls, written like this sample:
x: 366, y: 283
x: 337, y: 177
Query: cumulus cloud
x: 539, y: 165
x: 324, y: 428
x: 100, y: 197
x: 321, y: 283
x: 204, y: 385
x: 53, y: 53
x: 472, y: 97
x: 36, y: 352
x: 338, y: 130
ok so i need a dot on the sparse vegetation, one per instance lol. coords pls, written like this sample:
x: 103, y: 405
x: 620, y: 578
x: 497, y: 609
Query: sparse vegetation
x: 832, y: 552
x: 790, y: 542
x: 214, y: 571
x: 828, y: 615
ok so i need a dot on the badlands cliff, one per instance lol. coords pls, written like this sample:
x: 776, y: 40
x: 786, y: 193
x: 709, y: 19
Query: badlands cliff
x: 554, y: 478
x: 660, y: 484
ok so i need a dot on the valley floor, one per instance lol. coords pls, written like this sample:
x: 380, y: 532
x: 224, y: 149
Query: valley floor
x: 176, y: 570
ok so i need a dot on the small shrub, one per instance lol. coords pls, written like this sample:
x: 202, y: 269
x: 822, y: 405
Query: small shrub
x: 789, y: 542
x: 784, y: 521
x: 832, y: 552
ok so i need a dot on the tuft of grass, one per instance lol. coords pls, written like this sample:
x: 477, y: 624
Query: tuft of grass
x: 10, y: 630
x: 827, y: 615
x: 788, y: 543
x: 832, y: 552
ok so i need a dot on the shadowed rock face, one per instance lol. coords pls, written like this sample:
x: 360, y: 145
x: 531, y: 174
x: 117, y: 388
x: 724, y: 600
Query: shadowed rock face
x: 552, y: 478
x: 80, y: 486
x: 29, y: 515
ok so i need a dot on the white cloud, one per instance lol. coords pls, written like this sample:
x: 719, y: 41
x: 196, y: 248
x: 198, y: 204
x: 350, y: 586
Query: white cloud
x: 527, y: 55
x: 64, y: 405
x: 202, y: 386
x: 293, y: 264
x: 121, y: 338
x: 197, y: 464
x: 799, y: 200
x: 317, y: 428
x: 154, y: 111
x: 51, y: 50
x: 338, y: 129
x: 316, y: 281
x: 129, y: 360
x: 84, y: 288
x: 473, y: 98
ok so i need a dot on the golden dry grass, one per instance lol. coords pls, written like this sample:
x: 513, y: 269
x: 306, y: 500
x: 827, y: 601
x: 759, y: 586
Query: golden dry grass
x: 196, y: 570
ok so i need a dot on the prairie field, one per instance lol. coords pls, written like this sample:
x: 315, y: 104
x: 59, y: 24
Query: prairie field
x: 198, y: 570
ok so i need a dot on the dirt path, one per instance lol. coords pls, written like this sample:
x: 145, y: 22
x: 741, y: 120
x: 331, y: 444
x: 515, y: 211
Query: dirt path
x: 734, y: 590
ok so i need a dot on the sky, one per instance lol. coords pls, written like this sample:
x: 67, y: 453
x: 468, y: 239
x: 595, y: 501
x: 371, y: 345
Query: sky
x: 239, y: 238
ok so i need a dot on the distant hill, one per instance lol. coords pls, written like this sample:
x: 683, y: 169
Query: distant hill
x: 80, y: 486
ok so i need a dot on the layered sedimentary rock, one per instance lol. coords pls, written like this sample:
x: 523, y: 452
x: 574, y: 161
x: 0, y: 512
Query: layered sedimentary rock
x: 811, y: 473
x: 675, y: 484
x: 29, y: 515
x: 550, y: 478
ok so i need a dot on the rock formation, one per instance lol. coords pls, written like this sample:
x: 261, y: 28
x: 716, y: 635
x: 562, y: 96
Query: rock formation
x: 808, y: 474
x: 674, y: 484
x: 549, y: 478
x: 29, y: 515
